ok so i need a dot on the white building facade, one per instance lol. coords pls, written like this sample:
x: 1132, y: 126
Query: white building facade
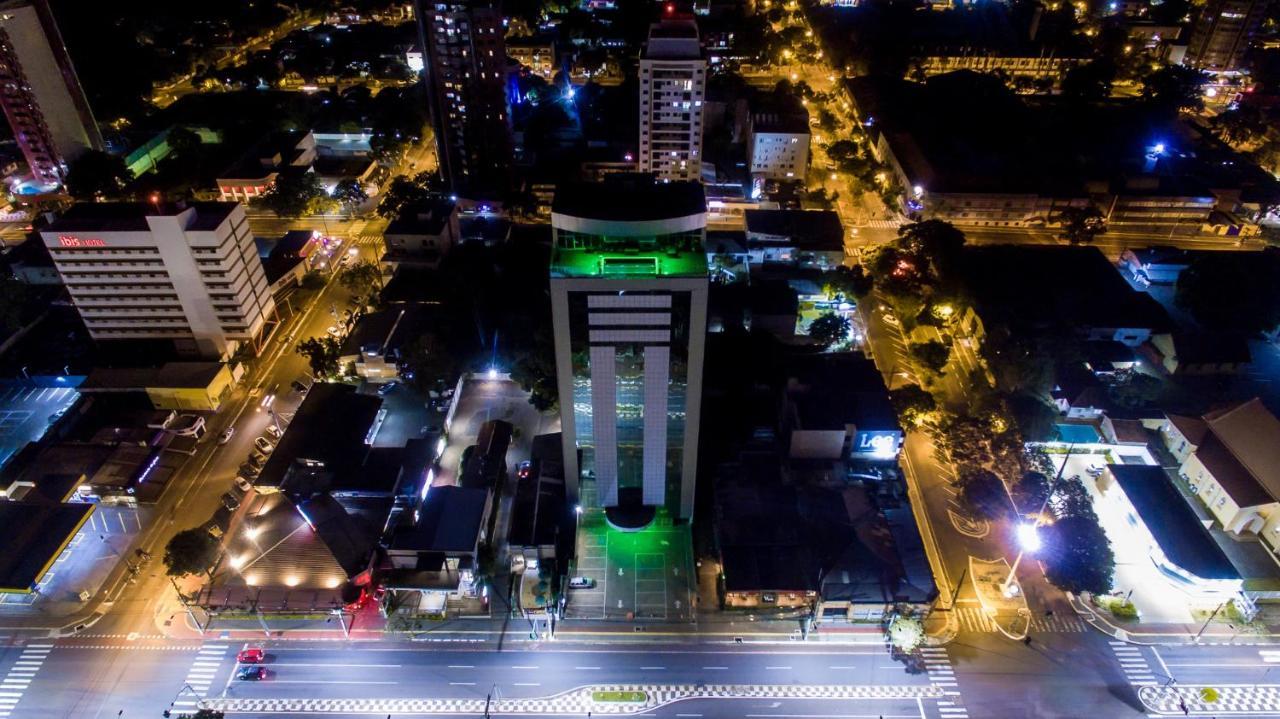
x: 190, y: 274
x: 673, y: 77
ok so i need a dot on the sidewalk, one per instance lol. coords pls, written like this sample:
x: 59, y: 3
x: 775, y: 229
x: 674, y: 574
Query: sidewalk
x: 1215, y: 631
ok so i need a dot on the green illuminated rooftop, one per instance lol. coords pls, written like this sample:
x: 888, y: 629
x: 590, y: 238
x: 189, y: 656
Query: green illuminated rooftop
x: 678, y: 255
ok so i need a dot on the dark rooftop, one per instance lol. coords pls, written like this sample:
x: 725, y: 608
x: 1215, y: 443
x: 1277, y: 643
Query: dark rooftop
x: 32, y: 535
x: 631, y: 197
x: 1055, y: 286
x: 386, y: 331
x: 832, y: 390
x: 448, y: 522
x: 1177, y: 530
x: 1232, y: 475
x: 807, y: 230
x: 427, y: 219
x: 772, y: 112
x: 170, y: 375
x: 330, y: 426
x: 132, y: 216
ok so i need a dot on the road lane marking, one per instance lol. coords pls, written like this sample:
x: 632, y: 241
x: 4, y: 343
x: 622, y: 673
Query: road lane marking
x: 523, y: 667
x: 651, y: 668
x: 462, y: 684
x: 586, y: 668
x: 527, y: 684
x: 328, y: 682
x: 306, y: 664
x: 715, y: 667
x: 777, y: 668
x: 462, y: 666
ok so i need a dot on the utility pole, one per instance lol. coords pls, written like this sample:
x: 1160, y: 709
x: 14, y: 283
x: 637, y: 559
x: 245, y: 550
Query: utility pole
x: 1196, y: 640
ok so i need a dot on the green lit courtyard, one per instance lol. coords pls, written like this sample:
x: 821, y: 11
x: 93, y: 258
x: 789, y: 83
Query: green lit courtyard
x: 646, y: 574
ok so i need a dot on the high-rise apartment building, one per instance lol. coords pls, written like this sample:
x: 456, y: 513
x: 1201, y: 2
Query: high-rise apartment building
x: 629, y: 308
x: 1222, y: 32
x: 185, y: 273
x: 466, y: 69
x: 40, y: 93
x: 673, y: 80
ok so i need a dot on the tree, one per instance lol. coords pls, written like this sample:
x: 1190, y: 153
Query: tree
x: 829, y: 329
x: 906, y: 634
x: 191, y: 551
x: 1030, y: 491
x: 1175, y: 87
x: 1081, y: 225
x: 429, y: 363
x: 1035, y: 419
x: 912, y: 403
x: 932, y: 354
x: 1136, y: 390
x: 350, y: 194
x: 534, y: 369
x: 322, y: 354
x: 183, y: 142
x: 1090, y: 82
x: 98, y: 175
x: 1077, y: 556
x: 405, y: 193
x: 361, y: 277
x: 819, y: 198
x: 1244, y: 125
x: 848, y: 282
x: 295, y: 194
x: 983, y: 493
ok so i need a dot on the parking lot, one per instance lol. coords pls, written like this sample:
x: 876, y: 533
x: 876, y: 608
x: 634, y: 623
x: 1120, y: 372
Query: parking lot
x: 85, y: 563
x: 638, y: 575
x: 26, y: 409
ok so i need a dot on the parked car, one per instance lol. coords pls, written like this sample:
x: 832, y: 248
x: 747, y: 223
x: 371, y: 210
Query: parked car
x: 890, y: 319
x: 386, y: 389
x: 525, y: 469
x: 243, y: 484
x: 263, y: 445
x: 257, y: 458
x: 226, y: 435
x: 251, y: 655
x: 252, y: 673
x: 274, y: 431
x: 250, y: 471
x: 333, y: 331
x: 230, y: 502
x: 582, y: 583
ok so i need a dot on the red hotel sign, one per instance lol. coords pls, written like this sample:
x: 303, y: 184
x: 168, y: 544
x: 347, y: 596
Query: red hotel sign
x: 73, y: 241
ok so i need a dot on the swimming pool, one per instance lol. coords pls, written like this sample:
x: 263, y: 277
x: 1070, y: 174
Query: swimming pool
x: 1078, y: 434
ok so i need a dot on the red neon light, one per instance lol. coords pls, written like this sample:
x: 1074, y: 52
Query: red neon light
x: 73, y: 241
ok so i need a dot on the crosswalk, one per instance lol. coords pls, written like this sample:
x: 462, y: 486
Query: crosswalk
x: 16, y: 682
x: 937, y: 663
x: 200, y: 675
x: 1133, y: 664
x: 974, y: 619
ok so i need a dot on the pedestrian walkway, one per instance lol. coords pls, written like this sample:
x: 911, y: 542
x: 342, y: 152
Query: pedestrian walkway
x: 16, y: 682
x: 937, y: 662
x: 1133, y: 664
x: 581, y: 700
x: 974, y: 619
x: 200, y: 675
x: 1224, y: 700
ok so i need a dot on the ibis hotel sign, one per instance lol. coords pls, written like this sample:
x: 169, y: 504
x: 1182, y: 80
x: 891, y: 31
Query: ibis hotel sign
x: 74, y: 241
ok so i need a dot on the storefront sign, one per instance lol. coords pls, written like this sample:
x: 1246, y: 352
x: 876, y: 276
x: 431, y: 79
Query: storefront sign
x: 877, y: 444
x: 73, y: 241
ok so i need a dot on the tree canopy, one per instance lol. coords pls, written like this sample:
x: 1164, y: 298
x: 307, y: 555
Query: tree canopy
x: 322, y: 354
x: 912, y: 402
x: 350, y: 194
x: 98, y: 175
x: 1078, y: 556
x: 933, y: 354
x: 295, y: 194
x: 1081, y: 225
x: 1175, y: 87
x: 191, y: 551
x: 829, y: 329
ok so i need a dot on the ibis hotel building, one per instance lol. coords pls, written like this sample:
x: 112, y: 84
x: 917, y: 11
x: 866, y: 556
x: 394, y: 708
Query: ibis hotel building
x: 187, y: 273
x: 629, y: 306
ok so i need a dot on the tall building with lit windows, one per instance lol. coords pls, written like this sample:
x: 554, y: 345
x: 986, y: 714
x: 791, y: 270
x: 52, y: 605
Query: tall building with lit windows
x: 40, y: 93
x: 465, y: 63
x: 673, y: 80
x: 185, y: 273
x: 1222, y: 32
x: 629, y: 308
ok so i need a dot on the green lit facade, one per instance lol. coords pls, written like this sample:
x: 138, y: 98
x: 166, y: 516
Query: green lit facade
x: 629, y: 305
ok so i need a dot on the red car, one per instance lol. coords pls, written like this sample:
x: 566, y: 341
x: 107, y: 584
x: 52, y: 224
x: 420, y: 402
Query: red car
x: 252, y: 655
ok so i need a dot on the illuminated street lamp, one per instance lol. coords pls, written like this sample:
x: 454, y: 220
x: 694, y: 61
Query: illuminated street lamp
x: 1029, y: 540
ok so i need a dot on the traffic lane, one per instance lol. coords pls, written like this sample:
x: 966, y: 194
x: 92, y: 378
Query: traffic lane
x: 76, y: 681
x: 386, y: 672
x: 1223, y: 664
x: 1058, y: 675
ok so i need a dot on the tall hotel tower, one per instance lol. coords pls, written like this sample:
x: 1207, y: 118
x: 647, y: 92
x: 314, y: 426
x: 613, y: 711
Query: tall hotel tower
x: 673, y: 86
x: 629, y: 305
x: 39, y: 92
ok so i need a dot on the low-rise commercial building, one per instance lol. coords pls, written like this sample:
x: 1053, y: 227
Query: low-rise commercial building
x: 836, y: 406
x: 809, y: 238
x: 1232, y: 470
x: 422, y: 235
x: 200, y: 386
x: 256, y: 171
x: 778, y: 138
x: 375, y: 345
